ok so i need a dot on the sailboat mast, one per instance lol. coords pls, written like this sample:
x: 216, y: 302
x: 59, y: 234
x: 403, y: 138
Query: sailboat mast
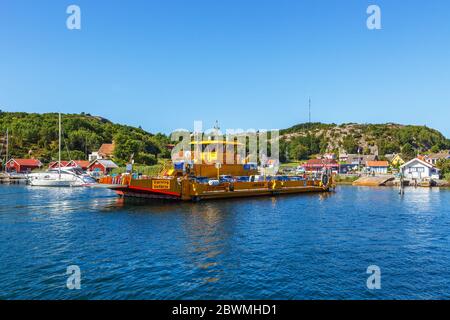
x: 7, y: 148
x: 59, y: 152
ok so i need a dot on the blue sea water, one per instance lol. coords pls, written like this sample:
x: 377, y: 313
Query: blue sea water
x: 309, y: 246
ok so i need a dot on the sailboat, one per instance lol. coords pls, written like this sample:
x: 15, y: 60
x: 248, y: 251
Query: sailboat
x: 61, y: 176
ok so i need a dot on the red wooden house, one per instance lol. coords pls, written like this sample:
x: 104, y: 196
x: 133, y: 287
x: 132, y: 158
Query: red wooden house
x: 83, y: 164
x: 54, y: 164
x: 102, y: 166
x: 319, y: 164
x: 22, y: 165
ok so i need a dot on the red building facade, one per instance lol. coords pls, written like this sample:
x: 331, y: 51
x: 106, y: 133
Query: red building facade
x: 320, y: 164
x: 22, y: 165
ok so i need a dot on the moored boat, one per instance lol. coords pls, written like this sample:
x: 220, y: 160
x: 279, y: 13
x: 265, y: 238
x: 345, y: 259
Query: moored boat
x: 60, y: 176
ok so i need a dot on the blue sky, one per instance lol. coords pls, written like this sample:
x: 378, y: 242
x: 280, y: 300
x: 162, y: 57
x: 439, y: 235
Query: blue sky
x: 162, y: 64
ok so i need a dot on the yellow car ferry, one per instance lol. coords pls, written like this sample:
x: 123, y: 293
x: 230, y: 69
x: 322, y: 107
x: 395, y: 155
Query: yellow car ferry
x: 201, y: 181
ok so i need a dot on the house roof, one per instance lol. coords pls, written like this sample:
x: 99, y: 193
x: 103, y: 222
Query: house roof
x: 106, y: 149
x: 439, y: 155
x: 418, y: 160
x: 80, y: 163
x: 27, y: 162
x: 53, y: 163
x: 370, y: 157
x: 108, y: 164
x: 361, y: 158
x: 321, y: 161
x: 393, y: 157
x: 377, y: 164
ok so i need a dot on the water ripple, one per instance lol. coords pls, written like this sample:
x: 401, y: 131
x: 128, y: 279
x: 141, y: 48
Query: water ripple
x: 291, y: 247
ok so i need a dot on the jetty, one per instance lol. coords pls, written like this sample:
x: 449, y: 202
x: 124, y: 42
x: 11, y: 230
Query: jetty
x: 374, y: 181
x: 10, y: 179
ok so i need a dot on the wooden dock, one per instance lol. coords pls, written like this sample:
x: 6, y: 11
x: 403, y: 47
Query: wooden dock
x: 7, y: 179
x: 374, y: 181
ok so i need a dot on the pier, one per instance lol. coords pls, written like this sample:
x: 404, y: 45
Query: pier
x: 6, y: 179
x: 374, y: 181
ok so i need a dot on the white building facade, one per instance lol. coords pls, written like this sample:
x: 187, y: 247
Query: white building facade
x: 418, y: 169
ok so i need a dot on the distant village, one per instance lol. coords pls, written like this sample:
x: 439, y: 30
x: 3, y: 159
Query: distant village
x: 420, y: 168
x: 99, y: 163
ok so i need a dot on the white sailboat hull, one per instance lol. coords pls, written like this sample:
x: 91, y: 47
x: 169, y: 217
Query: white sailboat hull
x: 63, y: 176
x: 50, y: 183
x: 54, y: 179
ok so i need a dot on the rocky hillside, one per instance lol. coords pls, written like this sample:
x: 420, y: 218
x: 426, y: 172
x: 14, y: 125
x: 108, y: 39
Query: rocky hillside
x: 304, y: 140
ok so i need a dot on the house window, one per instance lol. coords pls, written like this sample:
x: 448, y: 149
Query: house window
x: 415, y: 169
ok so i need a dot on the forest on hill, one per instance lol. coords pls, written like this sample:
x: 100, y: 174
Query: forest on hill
x: 36, y: 135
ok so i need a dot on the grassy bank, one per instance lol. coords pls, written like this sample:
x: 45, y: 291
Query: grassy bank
x: 145, y: 170
x: 292, y: 164
x: 341, y: 179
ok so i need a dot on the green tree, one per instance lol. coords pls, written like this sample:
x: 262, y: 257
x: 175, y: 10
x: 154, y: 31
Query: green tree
x: 70, y: 155
x: 444, y: 165
x: 350, y: 145
x: 408, y: 152
x: 126, y: 147
x: 435, y: 149
x: 146, y: 158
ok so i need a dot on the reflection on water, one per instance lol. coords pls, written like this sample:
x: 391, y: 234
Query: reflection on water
x: 293, y: 246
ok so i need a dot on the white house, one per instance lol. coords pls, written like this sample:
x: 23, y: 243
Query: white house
x: 377, y: 167
x: 419, y: 169
x: 94, y: 156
